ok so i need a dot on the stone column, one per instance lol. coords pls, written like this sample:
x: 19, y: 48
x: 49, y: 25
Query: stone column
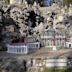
x: 33, y: 62
x: 35, y: 45
x: 12, y: 1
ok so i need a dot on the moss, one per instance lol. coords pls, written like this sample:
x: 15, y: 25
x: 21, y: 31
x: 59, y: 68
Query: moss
x: 67, y: 2
x: 3, y: 48
x: 57, y: 70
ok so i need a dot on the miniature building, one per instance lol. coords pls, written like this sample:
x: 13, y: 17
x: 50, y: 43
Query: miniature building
x: 52, y: 38
x: 17, y: 49
x: 47, y: 2
x: 69, y: 42
x: 23, y: 48
x: 61, y: 62
x: 32, y: 43
x: 17, y: 1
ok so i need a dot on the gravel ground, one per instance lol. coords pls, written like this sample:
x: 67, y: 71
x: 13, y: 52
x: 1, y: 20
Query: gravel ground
x: 43, y: 52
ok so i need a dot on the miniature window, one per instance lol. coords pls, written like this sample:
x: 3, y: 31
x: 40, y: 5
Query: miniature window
x: 58, y: 43
x: 19, y: 49
x: 50, y: 33
x: 22, y: 49
x: 32, y: 45
x: 10, y: 49
x: 58, y: 34
x: 62, y: 44
x: 37, y: 45
x: 48, y: 43
x: 69, y: 45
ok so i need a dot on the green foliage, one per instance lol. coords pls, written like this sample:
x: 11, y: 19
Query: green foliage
x: 48, y: 70
x: 3, y: 48
x: 7, y: 1
x: 57, y: 70
x: 67, y: 2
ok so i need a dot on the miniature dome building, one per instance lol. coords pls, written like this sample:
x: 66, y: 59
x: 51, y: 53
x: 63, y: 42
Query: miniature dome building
x: 25, y: 47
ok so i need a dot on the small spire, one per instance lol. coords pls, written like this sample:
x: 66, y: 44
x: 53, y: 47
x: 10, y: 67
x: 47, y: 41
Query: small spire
x: 35, y: 4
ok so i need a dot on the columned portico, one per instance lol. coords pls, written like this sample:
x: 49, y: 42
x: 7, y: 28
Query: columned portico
x: 21, y: 48
x: 17, y: 49
x: 34, y: 45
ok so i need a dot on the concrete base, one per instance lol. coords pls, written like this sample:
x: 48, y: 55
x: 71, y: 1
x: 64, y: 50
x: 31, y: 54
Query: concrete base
x: 54, y: 48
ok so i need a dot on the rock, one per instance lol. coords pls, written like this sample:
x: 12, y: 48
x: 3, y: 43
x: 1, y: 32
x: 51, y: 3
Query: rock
x: 10, y: 65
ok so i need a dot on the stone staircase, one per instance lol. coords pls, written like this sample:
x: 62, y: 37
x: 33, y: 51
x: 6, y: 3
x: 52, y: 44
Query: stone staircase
x: 33, y: 70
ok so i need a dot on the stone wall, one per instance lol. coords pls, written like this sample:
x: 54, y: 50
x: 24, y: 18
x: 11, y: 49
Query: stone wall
x: 50, y: 62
